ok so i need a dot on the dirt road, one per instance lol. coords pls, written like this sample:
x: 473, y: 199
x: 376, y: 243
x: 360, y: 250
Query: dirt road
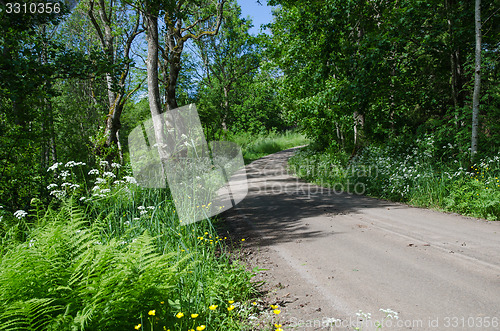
x: 330, y: 255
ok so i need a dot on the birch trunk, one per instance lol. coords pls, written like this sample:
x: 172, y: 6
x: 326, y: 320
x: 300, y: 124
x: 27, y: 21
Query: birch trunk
x: 477, y: 83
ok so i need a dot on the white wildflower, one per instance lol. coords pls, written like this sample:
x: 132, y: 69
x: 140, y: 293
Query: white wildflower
x: 109, y: 174
x: 100, y: 180
x: 20, y: 214
x: 115, y: 165
x: 141, y: 207
x: 70, y: 164
x: 74, y: 186
x: 94, y: 172
x: 151, y: 207
x: 103, y: 163
x: 54, y: 166
x: 58, y: 194
x: 106, y: 190
x: 64, y: 174
x: 143, y: 212
x: 51, y: 186
x: 130, y: 180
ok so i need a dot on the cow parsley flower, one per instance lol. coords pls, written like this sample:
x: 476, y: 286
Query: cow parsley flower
x: 20, y: 214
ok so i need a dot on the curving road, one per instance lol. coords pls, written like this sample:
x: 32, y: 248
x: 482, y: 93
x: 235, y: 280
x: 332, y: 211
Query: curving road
x: 331, y: 255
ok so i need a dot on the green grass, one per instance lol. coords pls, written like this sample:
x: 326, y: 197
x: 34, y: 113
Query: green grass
x: 119, y: 260
x: 419, y: 175
x: 257, y: 146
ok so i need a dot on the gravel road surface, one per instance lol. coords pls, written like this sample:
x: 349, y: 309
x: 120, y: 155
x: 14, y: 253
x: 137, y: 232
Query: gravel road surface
x: 330, y: 255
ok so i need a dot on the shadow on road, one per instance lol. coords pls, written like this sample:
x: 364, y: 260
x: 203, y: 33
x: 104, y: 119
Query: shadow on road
x: 278, y: 205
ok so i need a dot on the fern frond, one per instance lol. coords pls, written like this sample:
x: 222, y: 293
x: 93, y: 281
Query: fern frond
x: 32, y: 315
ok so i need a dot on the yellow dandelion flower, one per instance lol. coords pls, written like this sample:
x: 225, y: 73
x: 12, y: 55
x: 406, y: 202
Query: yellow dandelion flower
x: 277, y: 325
x: 138, y: 326
x: 194, y: 315
x: 206, y: 233
x: 276, y: 311
x: 179, y: 315
x: 279, y: 329
x: 213, y: 307
x: 231, y: 302
x: 274, y: 307
x: 201, y: 327
x: 230, y: 308
x: 152, y: 312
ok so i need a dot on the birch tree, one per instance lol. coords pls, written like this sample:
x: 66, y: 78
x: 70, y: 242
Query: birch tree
x: 116, y: 26
x: 477, y: 81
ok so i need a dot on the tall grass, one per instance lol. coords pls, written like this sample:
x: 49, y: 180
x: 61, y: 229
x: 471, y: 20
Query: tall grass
x: 421, y: 174
x: 110, y: 255
x: 257, y: 146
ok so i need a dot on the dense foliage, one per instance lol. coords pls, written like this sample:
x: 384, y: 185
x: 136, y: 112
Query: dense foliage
x: 382, y: 89
x: 362, y: 72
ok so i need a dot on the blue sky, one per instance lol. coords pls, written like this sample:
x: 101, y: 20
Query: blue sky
x: 259, y: 14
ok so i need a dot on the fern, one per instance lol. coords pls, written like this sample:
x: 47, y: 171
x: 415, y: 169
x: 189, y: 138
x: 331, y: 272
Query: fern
x: 102, y: 285
x: 31, y: 315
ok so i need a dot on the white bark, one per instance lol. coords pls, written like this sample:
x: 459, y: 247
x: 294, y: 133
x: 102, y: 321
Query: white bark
x: 477, y: 82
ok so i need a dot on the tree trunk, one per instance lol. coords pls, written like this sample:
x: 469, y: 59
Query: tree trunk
x: 477, y: 83
x: 152, y: 64
x: 153, y: 83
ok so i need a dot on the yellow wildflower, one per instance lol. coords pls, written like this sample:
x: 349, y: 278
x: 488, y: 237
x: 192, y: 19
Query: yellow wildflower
x: 194, y: 315
x: 230, y: 308
x: 201, y: 327
x: 274, y: 307
x: 213, y: 307
x: 138, y: 326
x: 231, y: 301
x: 276, y: 311
x: 152, y: 312
x: 179, y: 315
